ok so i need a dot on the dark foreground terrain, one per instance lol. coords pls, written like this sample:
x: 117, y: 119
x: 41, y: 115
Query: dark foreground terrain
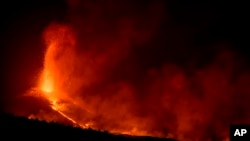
x: 21, y: 128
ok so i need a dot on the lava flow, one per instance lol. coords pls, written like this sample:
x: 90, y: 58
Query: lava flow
x: 48, y: 84
x: 59, y: 41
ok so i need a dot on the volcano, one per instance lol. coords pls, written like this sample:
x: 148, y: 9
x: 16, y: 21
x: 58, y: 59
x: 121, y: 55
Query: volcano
x: 157, y: 68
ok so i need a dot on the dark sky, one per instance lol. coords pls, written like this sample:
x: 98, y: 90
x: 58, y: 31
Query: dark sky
x: 197, y: 28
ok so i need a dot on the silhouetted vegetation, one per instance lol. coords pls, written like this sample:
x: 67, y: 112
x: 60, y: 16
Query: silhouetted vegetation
x: 21, y: 128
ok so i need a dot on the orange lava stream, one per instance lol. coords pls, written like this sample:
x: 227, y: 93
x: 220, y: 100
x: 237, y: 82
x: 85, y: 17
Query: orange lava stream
x: 55, y: 107
x: 57, y: 38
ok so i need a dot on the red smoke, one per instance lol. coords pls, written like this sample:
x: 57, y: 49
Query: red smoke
x: 89, y: 77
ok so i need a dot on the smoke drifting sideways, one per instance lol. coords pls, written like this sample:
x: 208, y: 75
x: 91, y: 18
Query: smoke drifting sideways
x: 98, y: 80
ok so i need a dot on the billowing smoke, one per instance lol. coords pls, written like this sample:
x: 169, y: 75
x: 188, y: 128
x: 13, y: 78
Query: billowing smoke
x: 94, y: 73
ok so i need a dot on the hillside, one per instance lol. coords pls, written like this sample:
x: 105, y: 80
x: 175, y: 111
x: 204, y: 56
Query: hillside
x: 13, y: 127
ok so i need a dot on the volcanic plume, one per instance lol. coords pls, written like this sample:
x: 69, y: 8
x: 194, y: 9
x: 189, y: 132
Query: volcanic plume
x: 98, y: 72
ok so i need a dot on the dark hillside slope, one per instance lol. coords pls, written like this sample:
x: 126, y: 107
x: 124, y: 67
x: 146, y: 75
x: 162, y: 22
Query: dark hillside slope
x: 20, y: 128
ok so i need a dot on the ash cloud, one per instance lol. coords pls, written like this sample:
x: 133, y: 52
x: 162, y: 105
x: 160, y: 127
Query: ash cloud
x: 124, y: 93
x: 133, y: 71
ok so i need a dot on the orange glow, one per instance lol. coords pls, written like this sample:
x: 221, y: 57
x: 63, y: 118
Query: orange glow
x: 93, y: 82
x: 129, y: 68
x: 58, y: 74
x: 47, y: 83
x: 58, y: 38
x: 79, y: 91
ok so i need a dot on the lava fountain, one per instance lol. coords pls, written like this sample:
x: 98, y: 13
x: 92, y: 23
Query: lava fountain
x: 59, y: 41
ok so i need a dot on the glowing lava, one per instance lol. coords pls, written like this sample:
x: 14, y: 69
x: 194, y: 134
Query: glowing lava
x: 57, y: 38
x: 47, y: 85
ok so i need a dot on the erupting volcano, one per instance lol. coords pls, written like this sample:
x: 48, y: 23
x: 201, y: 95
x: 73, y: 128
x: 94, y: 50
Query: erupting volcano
x: 133, y: 68
x: 58, y: 40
